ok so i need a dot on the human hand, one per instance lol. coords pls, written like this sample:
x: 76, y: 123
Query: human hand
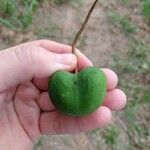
x: 26, y: 110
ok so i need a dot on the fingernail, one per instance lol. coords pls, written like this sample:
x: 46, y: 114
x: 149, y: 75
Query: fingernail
x: 66, y: 59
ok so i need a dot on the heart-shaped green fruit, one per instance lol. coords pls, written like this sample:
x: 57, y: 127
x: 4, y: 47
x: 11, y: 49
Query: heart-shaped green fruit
x: 78, y: 94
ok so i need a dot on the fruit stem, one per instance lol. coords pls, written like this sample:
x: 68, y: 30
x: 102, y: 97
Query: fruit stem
x: 82, y: 29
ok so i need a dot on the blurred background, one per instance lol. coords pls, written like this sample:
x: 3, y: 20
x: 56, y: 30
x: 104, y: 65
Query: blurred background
x: 117, y: 37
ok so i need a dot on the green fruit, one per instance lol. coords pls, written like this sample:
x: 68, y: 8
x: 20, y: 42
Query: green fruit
x: 78, y: 94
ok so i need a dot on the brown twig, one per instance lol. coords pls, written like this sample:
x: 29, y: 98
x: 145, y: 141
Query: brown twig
x: 82, y: 28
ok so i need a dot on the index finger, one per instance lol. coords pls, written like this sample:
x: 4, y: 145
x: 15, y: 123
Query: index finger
x: 83, y: 62
x: 52, y: 46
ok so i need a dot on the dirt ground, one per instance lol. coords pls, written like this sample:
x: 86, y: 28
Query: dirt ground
x: 100, y: 42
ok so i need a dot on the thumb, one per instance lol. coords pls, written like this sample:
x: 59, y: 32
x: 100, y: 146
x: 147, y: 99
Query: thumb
x: 22, y: 63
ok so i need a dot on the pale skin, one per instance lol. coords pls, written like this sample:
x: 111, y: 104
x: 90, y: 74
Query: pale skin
x: 26, y: 111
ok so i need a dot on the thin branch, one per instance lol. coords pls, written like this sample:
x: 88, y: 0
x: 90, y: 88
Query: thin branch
x: 82, y: 29
x: 83, y: 26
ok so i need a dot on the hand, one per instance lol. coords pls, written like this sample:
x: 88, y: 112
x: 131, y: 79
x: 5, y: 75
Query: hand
x: 26, y: 111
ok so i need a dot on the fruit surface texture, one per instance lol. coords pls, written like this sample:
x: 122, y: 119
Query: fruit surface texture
x: 78, y: 94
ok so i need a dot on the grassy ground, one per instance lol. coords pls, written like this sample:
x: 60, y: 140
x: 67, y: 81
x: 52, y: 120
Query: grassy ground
x: 118, y: 37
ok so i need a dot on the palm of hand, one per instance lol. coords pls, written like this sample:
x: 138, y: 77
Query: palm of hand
x: 19, y: 116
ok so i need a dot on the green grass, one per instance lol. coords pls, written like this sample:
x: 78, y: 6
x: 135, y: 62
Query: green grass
x: 48, y: 32
x: 17, y: 15
x: 122, y: 22
x: 40, y: 143
x: 74, y: 3
x: 111, y: 136
x: 125, y: 1
x: 146, y: 9
x: 134, y: 72
x: 7, y: 7
x: 137, y: 67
